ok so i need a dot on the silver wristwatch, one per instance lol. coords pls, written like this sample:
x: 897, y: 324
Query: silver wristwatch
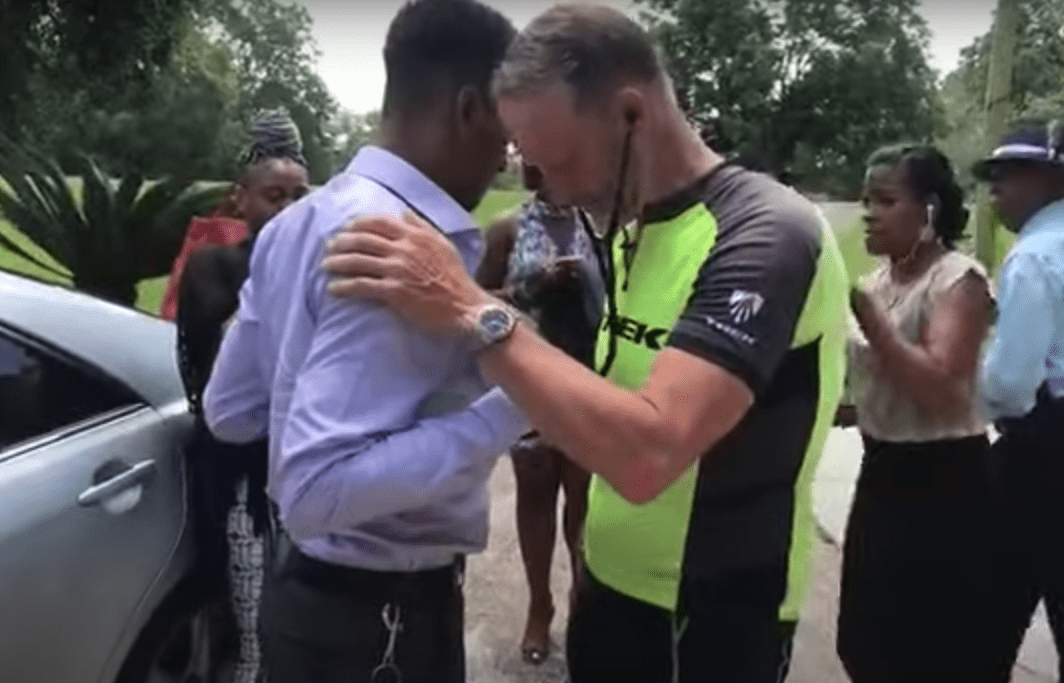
x: 492, y: 324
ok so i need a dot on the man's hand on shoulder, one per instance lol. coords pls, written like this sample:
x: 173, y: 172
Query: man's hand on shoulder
x: 408, y: 266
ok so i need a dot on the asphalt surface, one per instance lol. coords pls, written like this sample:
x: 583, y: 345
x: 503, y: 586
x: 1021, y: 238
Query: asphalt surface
x: 496, y: 602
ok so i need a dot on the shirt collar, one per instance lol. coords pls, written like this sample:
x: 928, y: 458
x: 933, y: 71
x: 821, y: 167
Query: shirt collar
x: 414, y: 187
x: 1050, y: 217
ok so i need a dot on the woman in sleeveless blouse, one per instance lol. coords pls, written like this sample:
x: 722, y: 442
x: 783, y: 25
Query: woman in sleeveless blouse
x: 918, y: 560
x: 544, y: 261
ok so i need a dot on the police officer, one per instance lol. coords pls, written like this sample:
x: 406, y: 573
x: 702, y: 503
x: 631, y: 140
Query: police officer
x: 1023, y: 377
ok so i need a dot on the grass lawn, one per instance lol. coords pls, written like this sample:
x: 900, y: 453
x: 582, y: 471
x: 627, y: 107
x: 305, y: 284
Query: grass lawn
x: 843, y: 216
x: 496, y: 203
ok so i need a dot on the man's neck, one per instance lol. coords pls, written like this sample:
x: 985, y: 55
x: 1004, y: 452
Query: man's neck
x: 413, y: 144
x: 678, y: 161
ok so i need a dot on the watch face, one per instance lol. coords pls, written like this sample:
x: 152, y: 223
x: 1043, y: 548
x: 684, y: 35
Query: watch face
x: 495, y: 323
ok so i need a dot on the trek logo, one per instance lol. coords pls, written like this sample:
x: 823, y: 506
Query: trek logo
x: 634, y: 331
x: 744, y: 305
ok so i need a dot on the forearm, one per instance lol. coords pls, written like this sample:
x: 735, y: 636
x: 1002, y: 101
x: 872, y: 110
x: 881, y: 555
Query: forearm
x: 324, y: 490
x: 915, y: 372
x: 605, y: 429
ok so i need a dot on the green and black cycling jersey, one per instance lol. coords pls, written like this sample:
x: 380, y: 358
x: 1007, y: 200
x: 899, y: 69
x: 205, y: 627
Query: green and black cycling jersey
x: 745, y: 273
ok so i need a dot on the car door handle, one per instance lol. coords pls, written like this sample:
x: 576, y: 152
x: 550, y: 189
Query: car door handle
x: 127, y: 478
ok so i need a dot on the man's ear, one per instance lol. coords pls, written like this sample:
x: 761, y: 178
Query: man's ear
x: 470, y: 106
x: 467, y: 105
x: 631, y: 107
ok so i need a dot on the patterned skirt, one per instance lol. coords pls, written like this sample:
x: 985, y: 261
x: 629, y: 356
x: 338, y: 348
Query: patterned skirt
x: 246, y: 572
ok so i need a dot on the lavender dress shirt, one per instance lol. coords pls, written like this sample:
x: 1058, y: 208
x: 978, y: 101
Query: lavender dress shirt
x: 382, y: 438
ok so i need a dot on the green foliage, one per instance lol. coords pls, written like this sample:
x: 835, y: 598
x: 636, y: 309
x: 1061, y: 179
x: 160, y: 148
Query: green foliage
x: 274, y: 54
x: 1037, y: 83
x: 99, y: 48
x: 169, y: 88
x: 806, y: 88
x: 349, y: 132
x: 114, y: 236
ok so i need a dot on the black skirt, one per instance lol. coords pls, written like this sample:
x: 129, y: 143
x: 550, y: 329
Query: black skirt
x: 919, y: 565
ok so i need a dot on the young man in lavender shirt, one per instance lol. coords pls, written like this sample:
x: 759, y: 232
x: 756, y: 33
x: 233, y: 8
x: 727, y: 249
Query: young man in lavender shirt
x: 382, y: 438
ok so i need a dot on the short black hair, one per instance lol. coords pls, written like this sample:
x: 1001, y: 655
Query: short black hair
x: 591, y: 48
x: 930, y: 176
x: 434, y: 43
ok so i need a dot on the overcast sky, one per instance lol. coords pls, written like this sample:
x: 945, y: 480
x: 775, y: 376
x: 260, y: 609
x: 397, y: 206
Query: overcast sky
x: 350, y: 34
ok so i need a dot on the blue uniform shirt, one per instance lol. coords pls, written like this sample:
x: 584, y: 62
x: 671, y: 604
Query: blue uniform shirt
x: 1027, y: 350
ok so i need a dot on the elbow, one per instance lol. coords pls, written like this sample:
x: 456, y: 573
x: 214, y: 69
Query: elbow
x: 231, y: 426
x: 950, y: 402
x: 219, y: 422
x: 645, y: 476
x: 651, y: 462
x: 220, y: 427
x: 228, y: 429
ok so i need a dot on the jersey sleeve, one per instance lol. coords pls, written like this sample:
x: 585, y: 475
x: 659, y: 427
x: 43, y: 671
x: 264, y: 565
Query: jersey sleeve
x: 750, y: 293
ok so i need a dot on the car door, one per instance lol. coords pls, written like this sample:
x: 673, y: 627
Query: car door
x: 91, y: 509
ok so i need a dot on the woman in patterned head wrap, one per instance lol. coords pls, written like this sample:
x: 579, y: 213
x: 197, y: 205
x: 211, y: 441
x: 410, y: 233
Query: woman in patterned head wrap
x: 275, y: 146
x: 228, y: 481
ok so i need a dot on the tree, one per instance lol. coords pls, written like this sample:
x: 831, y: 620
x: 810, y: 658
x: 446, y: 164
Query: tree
x: 806, y: 88
x: 158, y: 88
x: 185, y: 122
x: 1037, y: 83
x: 102, y: 48
x: 275, y: 54
x: 350, y: 131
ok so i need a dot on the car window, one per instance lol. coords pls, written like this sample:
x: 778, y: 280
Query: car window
x: 41, y: 392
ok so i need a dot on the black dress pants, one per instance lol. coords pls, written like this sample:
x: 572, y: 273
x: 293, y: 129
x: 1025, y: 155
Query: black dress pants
x: 1029, y: 460
x: 323, y: 623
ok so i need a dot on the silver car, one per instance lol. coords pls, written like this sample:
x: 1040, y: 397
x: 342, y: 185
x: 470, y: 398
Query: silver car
x: 95, y: 545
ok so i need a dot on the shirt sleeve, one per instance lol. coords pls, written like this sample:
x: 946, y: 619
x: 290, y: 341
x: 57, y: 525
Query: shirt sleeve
x: 236, y: 402
x: 359, y: 443
x: 750, y: 293
x: 1015, y: 364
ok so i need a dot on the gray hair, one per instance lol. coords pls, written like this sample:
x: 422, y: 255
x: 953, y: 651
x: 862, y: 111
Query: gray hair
x: 591, y: 48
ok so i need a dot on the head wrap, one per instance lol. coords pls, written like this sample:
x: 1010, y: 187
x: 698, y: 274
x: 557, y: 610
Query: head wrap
x: 274, y: 136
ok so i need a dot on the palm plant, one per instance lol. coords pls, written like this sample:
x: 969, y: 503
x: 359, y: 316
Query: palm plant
x: 117, y: 233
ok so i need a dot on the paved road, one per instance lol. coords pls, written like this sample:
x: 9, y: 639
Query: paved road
x: 833, y: 491
x: 497, y: 599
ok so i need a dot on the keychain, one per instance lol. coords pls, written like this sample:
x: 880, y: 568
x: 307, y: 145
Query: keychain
x: 388, y: 671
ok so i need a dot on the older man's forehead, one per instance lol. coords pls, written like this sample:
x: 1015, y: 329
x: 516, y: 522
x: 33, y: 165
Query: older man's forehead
x: 543, y: 118
x: 548, y: 102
